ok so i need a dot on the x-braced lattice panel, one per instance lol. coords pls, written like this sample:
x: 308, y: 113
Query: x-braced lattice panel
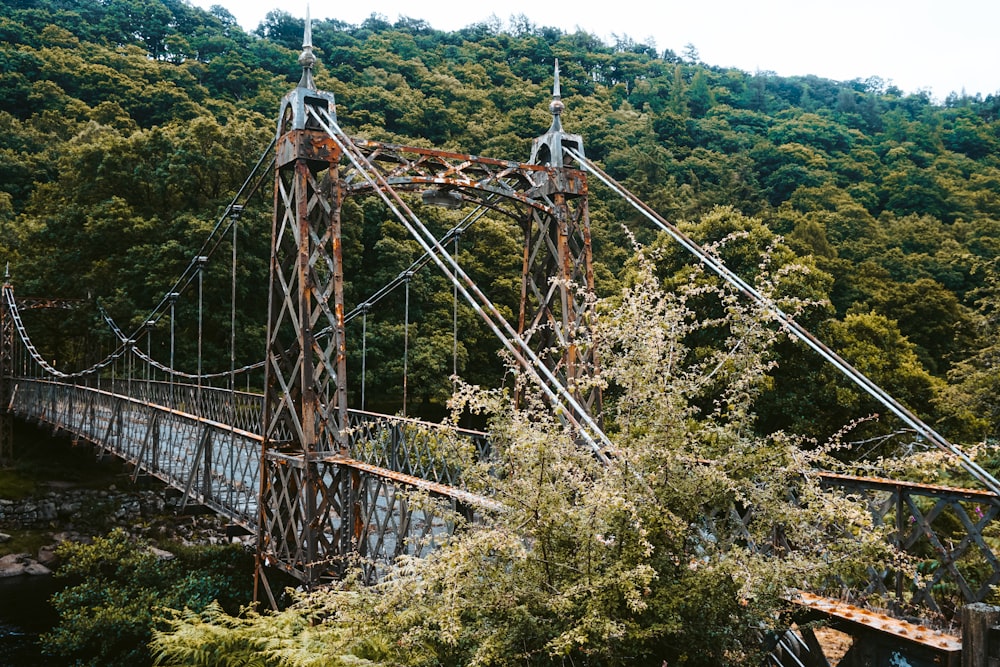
x: 953, y: 533
x: 557, y: 290
x: 306, y: 384
x: 428, y: 451
x: 213, y: 464
x: 328, y: 515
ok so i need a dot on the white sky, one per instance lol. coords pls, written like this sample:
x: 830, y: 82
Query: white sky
x: 936, y: 45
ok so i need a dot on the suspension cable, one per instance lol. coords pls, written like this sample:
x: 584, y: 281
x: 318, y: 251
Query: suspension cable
x: 364, y: 354
x: 201, y: 290
x: 232, y: 311
x: 793, y: 327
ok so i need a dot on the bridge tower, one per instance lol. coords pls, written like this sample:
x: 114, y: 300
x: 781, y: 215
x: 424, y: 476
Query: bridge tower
x: 558, y: 273
x: 305, y: 395
x: 308, y: 520
x: 6, y: 371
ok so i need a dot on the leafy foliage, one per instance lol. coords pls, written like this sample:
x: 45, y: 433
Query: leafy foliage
x: 680, y: 551
x: 127, y: 125
x: 117, y: 587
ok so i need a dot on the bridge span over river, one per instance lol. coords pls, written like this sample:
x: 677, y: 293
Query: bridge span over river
x: 319, y: 483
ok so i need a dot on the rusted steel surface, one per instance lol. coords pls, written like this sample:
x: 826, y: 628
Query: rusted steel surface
x: 512, y: 188
x: 433, y: 488
x: 878, y: 640
x: 38, y: 303
x: 952, y: 532
x: 882, y: 484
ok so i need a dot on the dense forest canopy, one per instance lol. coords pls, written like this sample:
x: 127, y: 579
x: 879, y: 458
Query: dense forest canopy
x: 128, y: 125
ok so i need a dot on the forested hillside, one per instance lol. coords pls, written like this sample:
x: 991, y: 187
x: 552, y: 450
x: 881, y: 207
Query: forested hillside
x: 126, y: 126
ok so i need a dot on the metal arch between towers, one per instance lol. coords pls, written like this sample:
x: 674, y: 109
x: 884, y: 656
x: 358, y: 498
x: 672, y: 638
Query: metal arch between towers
x: 551, y: 205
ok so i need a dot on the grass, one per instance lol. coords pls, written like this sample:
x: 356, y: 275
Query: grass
x: 26, y: 541
x: 15, y: 486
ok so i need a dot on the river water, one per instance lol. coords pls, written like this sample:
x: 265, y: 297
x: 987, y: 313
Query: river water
x: 25, y: 613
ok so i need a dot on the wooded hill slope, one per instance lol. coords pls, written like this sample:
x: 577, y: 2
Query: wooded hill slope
x: 126, y: 126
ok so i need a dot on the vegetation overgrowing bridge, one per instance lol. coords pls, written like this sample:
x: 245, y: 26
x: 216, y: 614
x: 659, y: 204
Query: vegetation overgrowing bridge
x: 325, y: 487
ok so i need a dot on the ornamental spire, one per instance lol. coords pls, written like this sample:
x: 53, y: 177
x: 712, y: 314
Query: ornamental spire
x: 556, y: 106
x: 307, y: 58
x: 549, y: 149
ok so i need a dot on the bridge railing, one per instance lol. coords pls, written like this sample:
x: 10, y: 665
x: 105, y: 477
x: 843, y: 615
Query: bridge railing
x: 426, y: 450
x: 212, y: 462
x: 952, y: 533
x: 370, y: 515
x: 429, y: 451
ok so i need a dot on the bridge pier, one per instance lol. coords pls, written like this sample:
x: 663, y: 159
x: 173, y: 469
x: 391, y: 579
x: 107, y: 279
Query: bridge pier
x: 980, y: 635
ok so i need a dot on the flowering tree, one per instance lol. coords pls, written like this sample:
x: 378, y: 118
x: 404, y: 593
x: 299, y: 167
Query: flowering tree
x: 683, y: 550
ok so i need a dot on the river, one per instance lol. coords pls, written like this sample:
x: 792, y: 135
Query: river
x: 25, y: 613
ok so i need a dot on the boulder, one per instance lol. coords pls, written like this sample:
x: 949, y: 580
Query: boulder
x: 36, y: 568
x: 162, y: 554
x: 47, y: 556
x: 13, y: 565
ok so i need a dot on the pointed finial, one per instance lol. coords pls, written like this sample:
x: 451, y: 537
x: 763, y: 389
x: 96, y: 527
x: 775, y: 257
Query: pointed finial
x: 307, y: 58
x: 549, y: 148
x: 556, y: 106
x: 6, y: 273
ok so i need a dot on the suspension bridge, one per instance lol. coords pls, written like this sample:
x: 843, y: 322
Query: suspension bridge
x: 323, y: 486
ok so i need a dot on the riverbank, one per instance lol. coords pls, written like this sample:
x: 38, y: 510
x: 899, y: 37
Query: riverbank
x: 56, y: 491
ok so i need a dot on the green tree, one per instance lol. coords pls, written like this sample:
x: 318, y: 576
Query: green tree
x: 643, y: 561
x: 118, y: 587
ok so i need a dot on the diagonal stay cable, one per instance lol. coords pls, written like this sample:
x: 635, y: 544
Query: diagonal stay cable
x: 567, y: 407
x: 794, y: 328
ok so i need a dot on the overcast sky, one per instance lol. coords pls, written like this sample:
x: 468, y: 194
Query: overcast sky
x: 936, y: 45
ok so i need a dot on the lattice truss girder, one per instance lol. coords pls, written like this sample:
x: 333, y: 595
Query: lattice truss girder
x: 429, y: 451
x: 306, y: 384
x: 215, y: 465
x: 509, y: 187
x: 945, y: 529
x: 326, y: 515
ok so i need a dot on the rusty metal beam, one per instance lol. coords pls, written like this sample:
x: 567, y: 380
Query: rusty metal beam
x: 892, y: 633
x: 39, y: 303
